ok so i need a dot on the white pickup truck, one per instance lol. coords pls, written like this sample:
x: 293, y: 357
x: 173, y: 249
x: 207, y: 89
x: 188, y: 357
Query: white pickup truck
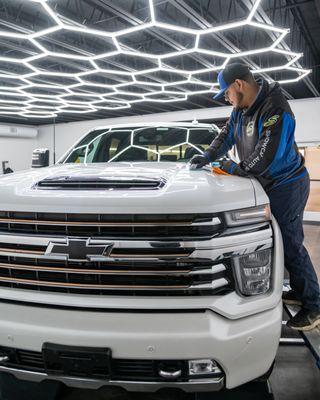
x: 121, y: 266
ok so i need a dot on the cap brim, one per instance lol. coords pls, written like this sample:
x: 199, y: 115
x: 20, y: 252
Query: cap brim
x: 219, y: 94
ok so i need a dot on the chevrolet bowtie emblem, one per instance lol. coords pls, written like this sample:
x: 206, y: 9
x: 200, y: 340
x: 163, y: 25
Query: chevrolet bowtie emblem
x: 78, y: 249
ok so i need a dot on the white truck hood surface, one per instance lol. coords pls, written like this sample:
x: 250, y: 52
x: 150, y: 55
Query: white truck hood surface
x: 186, y: 191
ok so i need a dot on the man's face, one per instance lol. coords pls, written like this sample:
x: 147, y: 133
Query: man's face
x: 234, y: 95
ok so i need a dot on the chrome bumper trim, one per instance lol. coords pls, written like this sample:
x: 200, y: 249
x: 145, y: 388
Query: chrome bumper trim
x: 214, y: 284
x: 245, y: 238
x: 214, y: 251
x: 195, y: 385
x: 212, y: 222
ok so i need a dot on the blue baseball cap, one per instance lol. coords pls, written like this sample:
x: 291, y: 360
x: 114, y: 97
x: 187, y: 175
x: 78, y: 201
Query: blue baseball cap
x: 228, y: 75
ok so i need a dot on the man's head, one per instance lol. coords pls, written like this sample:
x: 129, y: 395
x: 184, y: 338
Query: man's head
x: 237, y: 85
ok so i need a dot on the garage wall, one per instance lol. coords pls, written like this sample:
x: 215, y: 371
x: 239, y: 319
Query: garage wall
x: 18, y: 151
x: 306, y: 112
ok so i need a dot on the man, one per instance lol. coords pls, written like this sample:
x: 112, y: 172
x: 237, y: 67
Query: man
x: 261, y: 126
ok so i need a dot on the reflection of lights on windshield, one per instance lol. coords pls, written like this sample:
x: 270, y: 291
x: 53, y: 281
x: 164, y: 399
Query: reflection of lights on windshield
x: 151, y: 143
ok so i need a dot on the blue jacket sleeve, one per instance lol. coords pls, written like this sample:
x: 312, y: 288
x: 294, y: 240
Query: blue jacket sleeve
x: 223, y: 142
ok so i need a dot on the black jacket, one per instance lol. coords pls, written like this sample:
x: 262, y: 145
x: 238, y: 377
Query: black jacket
x: 264, y: 138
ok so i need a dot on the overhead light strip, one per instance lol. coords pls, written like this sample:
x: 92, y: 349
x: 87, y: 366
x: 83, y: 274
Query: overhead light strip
x: 70, y: 98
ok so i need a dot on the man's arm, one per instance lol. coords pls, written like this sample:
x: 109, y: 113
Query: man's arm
x: 223, y: 142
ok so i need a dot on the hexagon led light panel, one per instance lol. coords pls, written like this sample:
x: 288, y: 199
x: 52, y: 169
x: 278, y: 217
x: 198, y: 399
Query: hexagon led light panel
x: 62, y: 66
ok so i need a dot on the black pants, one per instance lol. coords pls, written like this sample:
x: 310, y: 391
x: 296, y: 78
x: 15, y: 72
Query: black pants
x: 287, y: 205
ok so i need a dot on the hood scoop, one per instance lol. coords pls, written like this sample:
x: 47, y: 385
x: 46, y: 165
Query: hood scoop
x: 100, y: 183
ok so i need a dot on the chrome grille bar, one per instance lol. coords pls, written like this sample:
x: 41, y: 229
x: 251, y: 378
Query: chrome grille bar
x: 178, y: 272
x: 212, y: 285
x: 208, y: 286
x: 122, y: 226
x: 21, y: 252
x: 213, y: 221
x: 129, y: 255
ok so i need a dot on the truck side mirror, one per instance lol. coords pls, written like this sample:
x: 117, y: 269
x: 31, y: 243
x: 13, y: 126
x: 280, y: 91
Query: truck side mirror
x: 40, y: 158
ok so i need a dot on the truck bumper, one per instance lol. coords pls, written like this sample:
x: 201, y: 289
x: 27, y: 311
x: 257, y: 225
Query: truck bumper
x: 208, y: 385
x: 244, y: 348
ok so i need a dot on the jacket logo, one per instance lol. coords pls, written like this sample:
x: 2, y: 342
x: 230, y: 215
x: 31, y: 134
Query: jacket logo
x: 263, y: 149
x: 271, y: 121
x: 250, y: 128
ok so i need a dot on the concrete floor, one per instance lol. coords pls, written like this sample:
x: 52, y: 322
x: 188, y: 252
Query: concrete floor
x: 312, y: 240
x: 295, y: 375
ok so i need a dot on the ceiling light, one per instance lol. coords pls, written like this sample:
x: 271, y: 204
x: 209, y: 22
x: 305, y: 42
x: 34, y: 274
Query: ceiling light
x: 62, y: 102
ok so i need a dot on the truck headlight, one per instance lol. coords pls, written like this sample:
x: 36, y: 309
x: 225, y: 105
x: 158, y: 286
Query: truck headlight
x: 253, y: 272
x: 250, y: 215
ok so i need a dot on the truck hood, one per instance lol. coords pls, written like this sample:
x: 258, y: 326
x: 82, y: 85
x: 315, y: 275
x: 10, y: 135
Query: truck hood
x: 184, y: 191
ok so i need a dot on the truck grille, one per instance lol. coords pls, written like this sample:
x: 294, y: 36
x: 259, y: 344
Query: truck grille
x: 123, y: 267
x: 148, y: 226
x: 166, y: 275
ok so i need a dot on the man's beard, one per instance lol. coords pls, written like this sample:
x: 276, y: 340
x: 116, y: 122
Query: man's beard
x: 239, y: 96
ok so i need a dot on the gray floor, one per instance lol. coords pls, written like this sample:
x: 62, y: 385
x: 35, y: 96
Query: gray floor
x: 295, y: 375
x: 312, y: 242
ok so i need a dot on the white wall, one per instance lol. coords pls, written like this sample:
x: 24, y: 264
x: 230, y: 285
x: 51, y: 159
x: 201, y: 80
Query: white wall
x: 307, y: 112
x: 18, y: 151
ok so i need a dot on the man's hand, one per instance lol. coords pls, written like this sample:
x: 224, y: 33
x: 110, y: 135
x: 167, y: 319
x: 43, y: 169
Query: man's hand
x: 199, y: 161
x: 228, y: 166
x: 232, y: 168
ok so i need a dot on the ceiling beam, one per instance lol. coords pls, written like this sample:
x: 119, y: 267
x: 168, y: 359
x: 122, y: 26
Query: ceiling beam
x: 289, y: 6
x: 261, y: 16
x: 317, y: 4
x: 298, y: 16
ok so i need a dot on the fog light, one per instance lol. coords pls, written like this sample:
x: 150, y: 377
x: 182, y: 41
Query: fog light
x: 203, y: 367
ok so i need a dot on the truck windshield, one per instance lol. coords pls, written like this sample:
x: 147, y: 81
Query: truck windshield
x: 160, y: 143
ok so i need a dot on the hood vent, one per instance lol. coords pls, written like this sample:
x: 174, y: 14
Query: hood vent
x: 100, y: 183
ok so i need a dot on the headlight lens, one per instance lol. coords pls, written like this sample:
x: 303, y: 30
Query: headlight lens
x: 250, y: 215
x: 253, y: 272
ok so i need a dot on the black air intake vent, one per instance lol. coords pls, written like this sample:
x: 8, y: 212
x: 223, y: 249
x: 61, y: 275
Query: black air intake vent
x: 119, y: 369
x: 98, y: 183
